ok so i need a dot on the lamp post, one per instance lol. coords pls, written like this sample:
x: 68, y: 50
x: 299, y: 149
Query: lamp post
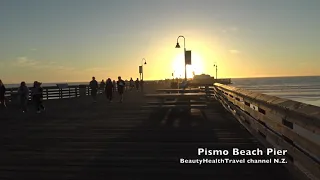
x: 216, y: 66
x: 178, y: 46
x: 145, y: 62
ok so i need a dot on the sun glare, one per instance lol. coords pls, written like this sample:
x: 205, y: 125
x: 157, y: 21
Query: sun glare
x: 195, y: 67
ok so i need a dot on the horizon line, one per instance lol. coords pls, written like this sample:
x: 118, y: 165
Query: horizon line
x: 179, y: 78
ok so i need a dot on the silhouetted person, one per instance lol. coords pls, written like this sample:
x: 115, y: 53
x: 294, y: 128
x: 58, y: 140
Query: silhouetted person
x: 131, y: 84
x: 23, y: 92
x: 137, y: 84
x: 121, y: 85
x: 37, y: 95
x: 94, y: 88
x: 109, y: 89
x: 2, y: 94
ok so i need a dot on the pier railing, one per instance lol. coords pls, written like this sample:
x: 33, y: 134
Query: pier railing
x: 53, y: 92
x: 281, y: 123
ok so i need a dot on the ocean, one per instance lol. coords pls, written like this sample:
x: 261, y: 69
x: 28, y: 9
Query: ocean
x: 303, y: 89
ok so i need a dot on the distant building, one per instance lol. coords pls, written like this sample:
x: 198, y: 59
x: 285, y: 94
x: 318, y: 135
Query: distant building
x: 203, y: 79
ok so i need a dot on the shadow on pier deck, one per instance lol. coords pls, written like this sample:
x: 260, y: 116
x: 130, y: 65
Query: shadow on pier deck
x: 75, y: 139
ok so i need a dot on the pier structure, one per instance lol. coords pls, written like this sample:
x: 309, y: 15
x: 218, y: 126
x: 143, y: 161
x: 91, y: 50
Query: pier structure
x: 142, y: 138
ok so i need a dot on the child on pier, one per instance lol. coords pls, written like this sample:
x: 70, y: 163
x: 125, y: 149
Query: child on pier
x: 109, y: 89
x: 23, y: 92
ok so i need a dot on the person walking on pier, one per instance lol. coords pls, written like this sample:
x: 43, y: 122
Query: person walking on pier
x: 37, y: 95
x: 2, y: 95
x: 94, y: 89
x: 23, y: 92
x: 109, y: 89
x: 131, y: 84
x: 121, y: 85
x: 137, y: 84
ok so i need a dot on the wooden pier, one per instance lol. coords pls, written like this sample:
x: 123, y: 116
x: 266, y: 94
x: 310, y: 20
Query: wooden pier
x: 78, y: 139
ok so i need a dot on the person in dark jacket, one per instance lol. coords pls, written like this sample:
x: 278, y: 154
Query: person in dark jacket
x: 94, y: 88
x: 23, y: 92
x: 2, y: 94
x: 131, y: 84
x: 109, y: 89
x: 137, y: 84
x: 121, y: 86
x: 37, y: 95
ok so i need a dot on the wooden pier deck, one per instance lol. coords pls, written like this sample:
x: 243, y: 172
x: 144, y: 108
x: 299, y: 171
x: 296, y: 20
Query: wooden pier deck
x: 77, y: 139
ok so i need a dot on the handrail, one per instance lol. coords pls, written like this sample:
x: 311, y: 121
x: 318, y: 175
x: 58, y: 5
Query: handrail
x: 283, y: 123
x: 54, y: 92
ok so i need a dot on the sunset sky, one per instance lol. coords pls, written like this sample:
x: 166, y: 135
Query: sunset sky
x: 73, y: 40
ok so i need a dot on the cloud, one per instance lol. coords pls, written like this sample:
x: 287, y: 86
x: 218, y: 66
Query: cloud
x: 24, y: 62
x: 233, y: 29
x: 34, y: 49
x: 51, y: 65
x: 230, y: 30
x: 233, y: 51
x: 64, y: 68
x: 98, y: 70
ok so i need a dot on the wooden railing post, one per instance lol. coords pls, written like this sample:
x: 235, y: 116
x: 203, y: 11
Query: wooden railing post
x: 47, y: 93
x: 69, y: 93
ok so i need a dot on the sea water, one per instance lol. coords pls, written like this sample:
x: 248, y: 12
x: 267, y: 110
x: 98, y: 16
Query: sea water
x: 302, y: 89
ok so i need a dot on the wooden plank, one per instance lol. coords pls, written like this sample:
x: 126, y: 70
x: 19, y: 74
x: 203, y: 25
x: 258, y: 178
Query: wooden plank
x: 175, y: 103
x: 177, y: 106
x: 177, y: 95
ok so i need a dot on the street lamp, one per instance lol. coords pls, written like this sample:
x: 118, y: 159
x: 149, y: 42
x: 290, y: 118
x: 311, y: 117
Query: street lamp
x: 145, y: 63
x: 216, y: 66
x: 178, y: 46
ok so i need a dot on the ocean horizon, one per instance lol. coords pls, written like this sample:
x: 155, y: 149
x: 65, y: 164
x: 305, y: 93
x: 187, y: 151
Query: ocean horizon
x: 305, y: 89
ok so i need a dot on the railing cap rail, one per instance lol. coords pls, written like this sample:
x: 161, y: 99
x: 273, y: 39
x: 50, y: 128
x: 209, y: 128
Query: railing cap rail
x: 306, y: 110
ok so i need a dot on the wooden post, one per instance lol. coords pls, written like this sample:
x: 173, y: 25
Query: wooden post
x: 76, y: 89
x: 69, y: 93
x: 47, y: 93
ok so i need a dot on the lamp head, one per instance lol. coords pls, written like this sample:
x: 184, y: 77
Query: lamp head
x: 178, y: 45
x: 145, y: 62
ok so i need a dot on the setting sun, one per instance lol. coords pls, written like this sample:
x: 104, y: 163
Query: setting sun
x: 196, y: 66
